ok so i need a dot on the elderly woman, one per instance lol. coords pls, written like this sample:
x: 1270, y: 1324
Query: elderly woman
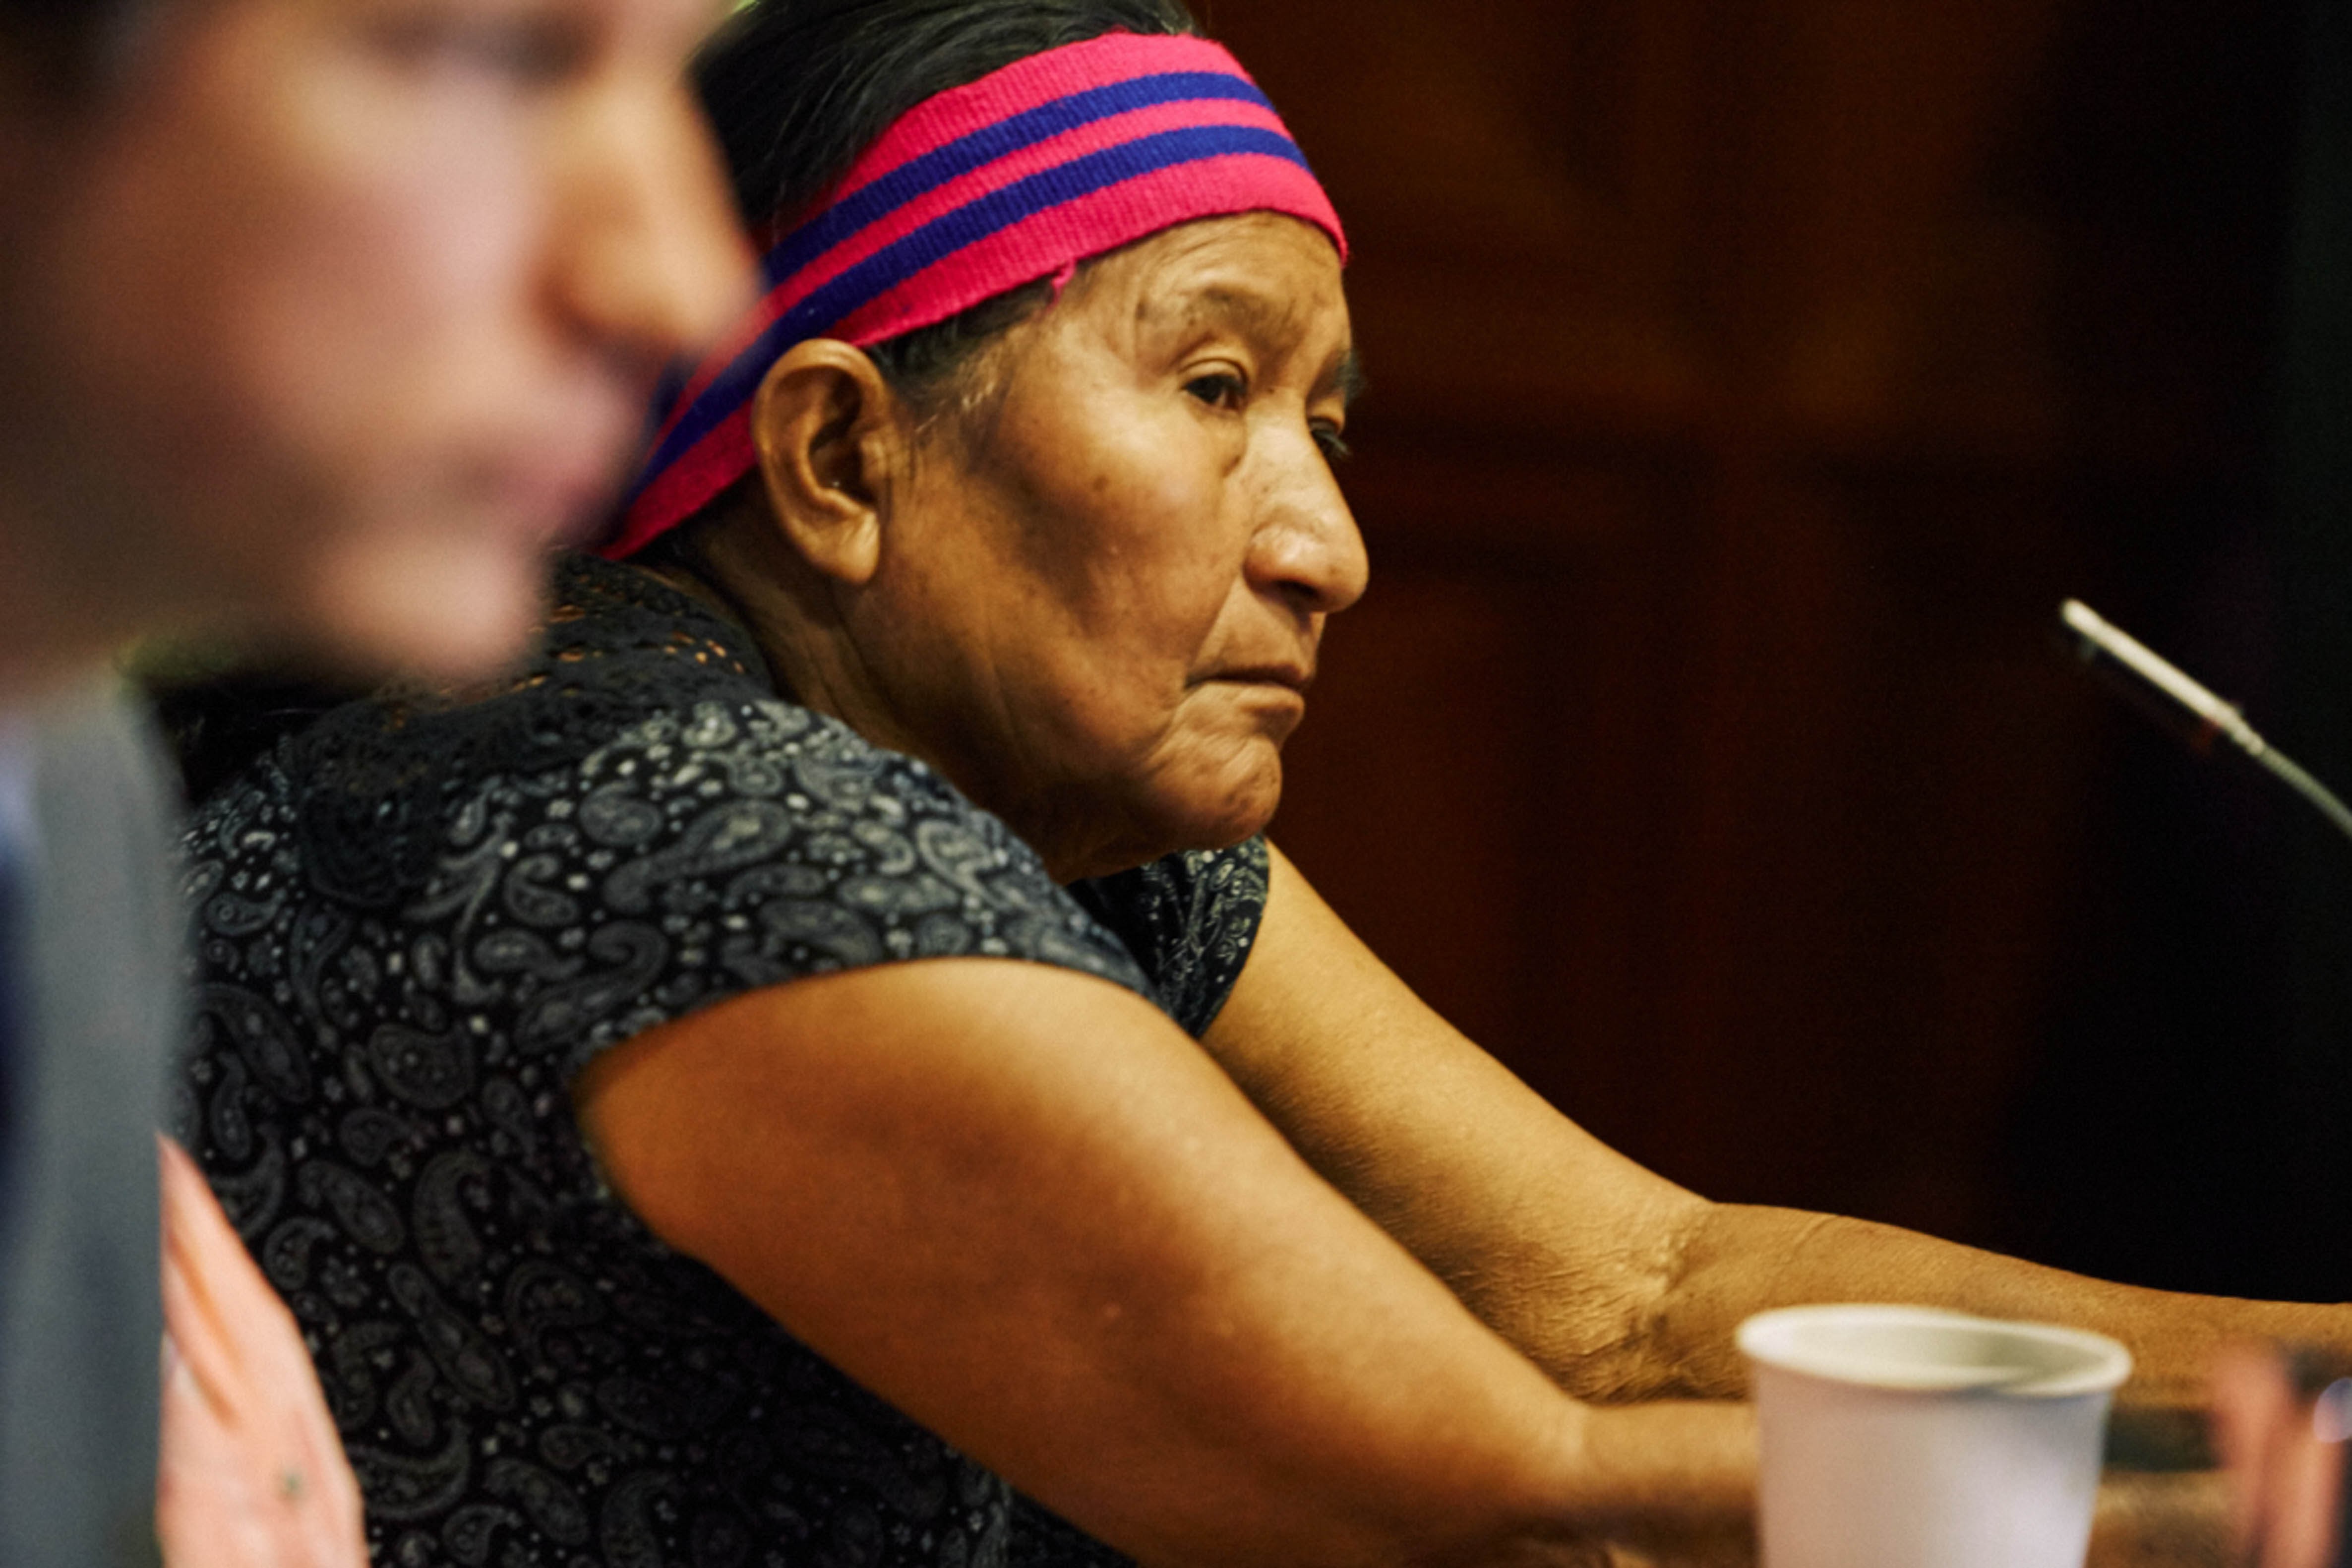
x: 824, y: 1048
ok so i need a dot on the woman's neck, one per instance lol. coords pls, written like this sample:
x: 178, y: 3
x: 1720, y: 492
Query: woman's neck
x: 781, y: 604
x: 750, y: 576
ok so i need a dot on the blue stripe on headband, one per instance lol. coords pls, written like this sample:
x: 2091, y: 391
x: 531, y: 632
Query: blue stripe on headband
x: 991, y: 143
x: 952, y: 231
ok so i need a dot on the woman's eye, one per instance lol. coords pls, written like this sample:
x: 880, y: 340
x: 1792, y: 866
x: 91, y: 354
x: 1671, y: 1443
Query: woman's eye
x: 1334, y: 445
x: 1221, y: 390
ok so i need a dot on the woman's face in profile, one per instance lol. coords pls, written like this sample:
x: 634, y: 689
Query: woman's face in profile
x: 1110, y: 580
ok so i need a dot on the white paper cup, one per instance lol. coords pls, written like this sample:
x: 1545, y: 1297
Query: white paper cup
x: 1908, y: 1437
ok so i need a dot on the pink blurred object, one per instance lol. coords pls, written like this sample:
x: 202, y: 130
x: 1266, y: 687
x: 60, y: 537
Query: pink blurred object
x: 251, y: 1475
x: 2285, y: 1460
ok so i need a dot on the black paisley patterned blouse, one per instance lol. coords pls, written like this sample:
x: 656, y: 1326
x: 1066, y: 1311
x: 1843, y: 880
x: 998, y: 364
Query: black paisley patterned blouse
x: 418, y: 921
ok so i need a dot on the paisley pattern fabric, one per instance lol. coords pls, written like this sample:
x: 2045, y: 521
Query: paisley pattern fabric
x: 419, y: 918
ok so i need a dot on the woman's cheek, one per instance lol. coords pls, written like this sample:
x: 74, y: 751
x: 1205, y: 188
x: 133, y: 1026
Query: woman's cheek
x: 1194, y: 486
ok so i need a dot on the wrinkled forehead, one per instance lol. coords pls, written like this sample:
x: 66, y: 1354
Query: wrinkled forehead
x: 1265, y: 278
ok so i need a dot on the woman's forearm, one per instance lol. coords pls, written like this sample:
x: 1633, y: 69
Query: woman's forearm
x: 1667, y: 1470
x: 1620, y: 1284
x: 1736, y: 1260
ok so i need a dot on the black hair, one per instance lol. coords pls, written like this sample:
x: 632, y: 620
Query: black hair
x: 798, y: 89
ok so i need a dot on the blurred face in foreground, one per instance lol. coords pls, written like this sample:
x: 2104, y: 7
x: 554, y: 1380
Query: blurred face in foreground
x: 333, y: 315
x: 1094, y: 594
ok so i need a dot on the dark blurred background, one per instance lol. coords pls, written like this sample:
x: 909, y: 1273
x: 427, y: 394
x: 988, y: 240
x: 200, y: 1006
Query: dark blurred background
x: 1751, y: 379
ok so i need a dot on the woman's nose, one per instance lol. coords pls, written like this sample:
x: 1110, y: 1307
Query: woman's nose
x: 652, y: 261
x: 1308, y: 546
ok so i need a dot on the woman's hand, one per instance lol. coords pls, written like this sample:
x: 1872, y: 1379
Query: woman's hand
x: 251, y: 1474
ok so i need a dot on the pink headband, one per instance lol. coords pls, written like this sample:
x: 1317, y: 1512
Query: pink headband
x: 1055, y: 159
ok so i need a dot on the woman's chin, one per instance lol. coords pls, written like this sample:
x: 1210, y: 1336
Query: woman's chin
x: 1122, y: 826
x: 1235, y: 805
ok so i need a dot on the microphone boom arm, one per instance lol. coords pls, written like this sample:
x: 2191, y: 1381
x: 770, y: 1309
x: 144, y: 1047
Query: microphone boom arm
x: 2152, y: 679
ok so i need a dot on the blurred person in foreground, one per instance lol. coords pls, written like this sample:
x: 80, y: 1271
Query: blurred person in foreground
x: 822, y: 1066
x: 320, y: 320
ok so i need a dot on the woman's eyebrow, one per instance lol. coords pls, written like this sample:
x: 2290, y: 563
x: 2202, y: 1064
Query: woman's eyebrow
x: 1265, y: 317
x: 1271, y: 319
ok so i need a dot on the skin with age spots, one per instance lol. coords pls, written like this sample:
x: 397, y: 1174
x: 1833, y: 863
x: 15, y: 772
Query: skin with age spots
x: 1104, y: 622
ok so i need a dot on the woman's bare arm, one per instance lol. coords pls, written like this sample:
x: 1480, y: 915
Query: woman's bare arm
x: 1618, y: 1282
x: 1022, y: 1205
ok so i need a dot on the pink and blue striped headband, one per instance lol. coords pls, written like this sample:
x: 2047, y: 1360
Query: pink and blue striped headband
x: 1052, y: 160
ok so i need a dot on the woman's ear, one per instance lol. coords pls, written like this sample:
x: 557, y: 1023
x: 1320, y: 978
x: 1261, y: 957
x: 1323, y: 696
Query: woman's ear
x: 834, y: 444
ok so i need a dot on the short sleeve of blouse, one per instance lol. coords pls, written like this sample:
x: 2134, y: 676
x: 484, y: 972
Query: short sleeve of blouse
x: 740, y: 846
